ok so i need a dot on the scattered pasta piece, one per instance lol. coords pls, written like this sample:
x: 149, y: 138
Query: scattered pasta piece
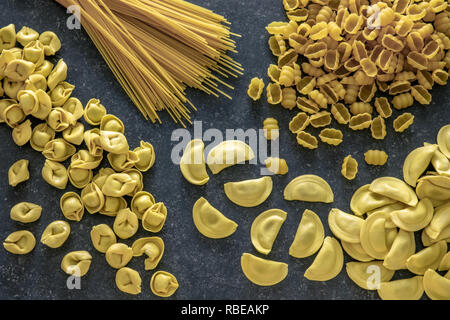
x: 255, y: 88
x: 261, y: 271
x: 249, y: 193
x: 376, y: 157
x: 276, y: 165
x: 349, y: 168
x: 310, y: 188
x: 265, y: 229
x: 271, y: 129
x: 403, y: 122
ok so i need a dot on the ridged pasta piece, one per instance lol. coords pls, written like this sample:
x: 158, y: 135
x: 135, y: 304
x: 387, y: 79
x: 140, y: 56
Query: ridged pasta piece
x: 417, y: 60
x: 383, y: 107
x: 290, y: 56
x: 353, y: 23
x: 421, y: 94
x: 442, y: 22
x: 271, y: 129
x: 331, y: 136
x: 360, y: 121
x: 403, y: 122
x: 405, y: 76
x: 324, y: 14
x: 319, y: 31
x: 299, y: 42
x: 392, y: 43
x: 352, y: 93
x: 338, y: 88
x: 277, y: 45
x: 378, y: 128
x: 307, y: 140
x: 306, y: 85
x: 286, y: 76
x: 274, y: 93
x: 255, y: 88
x: 325, y: 79
x: 320, y: 119
x: 329, y: 93
x: 340, y: 113
x: 398, y: 87
x: 307, y: 105
x: 290, y: 4
x: 288, y: 100
x: 299, y: 122
x: 318, y: 98
x: 440, y: 76
x: 349, y: 167
x: 331, y: 60
x: 274, y: 73
x: 360, y: 107
x: 312, y: 71
x: 425, y: 79
x: 402, y: 101
x: 298, y: 15
x: 316, y: 50
x: 375, y: 157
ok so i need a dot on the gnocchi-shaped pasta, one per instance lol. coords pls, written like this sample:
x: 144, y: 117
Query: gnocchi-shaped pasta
x: 128, y: 281
x: 20, y: 242
x: 93, y: 198
x: 403, y: 289
x: 309, y: 188
x: 320, y: 119
x: 288, y: 100
x: 72, y: 206
x: 306, y: 85
x: 416, y: 162
x: 227, y: 154
x: 349, y: 168
x: 118, y: 255
x: 309, y: 236
x: 18, y: 172
x: 277, y: 45
x: 58, y: 150
x: 265, y: 229
x: 428, y: 258
x: 210, y: 222
x: 319, y: 31
x: 125, y: 224
x: 307, y: 105
x: 152, y: 247
x: 271, y: 129
x: 360, y: 273
x: 376, y: 157
x: 307, y: 140
x: 331, y: 136
x: 403, y: 122
x: 51, y: 42
x: 55, y: 234
x: 383, y: 107
x: 273, y: 72
x: 76, y: 263
x: 276, y: 165
x: 249, y: 193
x: 255, y: 88
x: 402, y: 248
x: 364, y: 200
x: 378, y: 128
x: 290, y: 56
x: 74, y: 134
x: 436, y: 286
x: 102, y: 237
x: 192, y: 163
x: 360, y: 121
x: 55, y: 174
x: 154, y: 217
x: 402, y: 101
x: 263, y: 272
x: 163, y: 284
x: 328, y: 262
x: 25, y: 212
x: 340, y: 113
x: 345, y: 226
x: 146, y: 155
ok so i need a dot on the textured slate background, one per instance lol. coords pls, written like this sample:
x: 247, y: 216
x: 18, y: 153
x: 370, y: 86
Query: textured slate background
x: 205, y: 268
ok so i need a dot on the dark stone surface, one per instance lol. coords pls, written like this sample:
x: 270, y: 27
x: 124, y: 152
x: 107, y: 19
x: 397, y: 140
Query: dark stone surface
x: 205, y: 268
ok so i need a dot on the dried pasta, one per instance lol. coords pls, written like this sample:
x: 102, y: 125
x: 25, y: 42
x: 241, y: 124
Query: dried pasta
x: 255, y: 88
x: 403, y: 122
x: 307, y: 140
x: 375, y: 157
x: 349, y: 168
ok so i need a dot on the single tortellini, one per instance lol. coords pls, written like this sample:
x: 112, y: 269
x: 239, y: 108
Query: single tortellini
x: 45, y: 105
x: 140, y: 202
x: 26, y: 35
x: 128, y: 280
x: 58, y: 74
x: 4, y: 104
x: 75, y: 108
x: 110, y: 122
x: 19, y: 70
x: 94, y: 112
x: 100, y: 178
x: 114, y: 142
x: 61, y: 93
x: 152, y: 247
x: 85, y: 160
x: 265, y: 229
x: 74, y: 134
x: 93, y: 198
x: 59, y: 120
x: 55, y: 234
x: 51, y: 42
x: 18, y: 172
x: 211, y: 222
x: 113, y: 205
x: 41, y: 134
x: 28, y: 101
x: 20, y: 242
x: 58, y: 150
x: 249, y: 193
x: 79, y: 177
x: 76, y: 263
x: 55, y: 174
x: 44, y: 69
x: 154, y: 217
x: 25, y: 212
x: 309, y: 236
x: 21, y: 134
x: 163, y: 284
x: 263, y: 272
x: 328, y: 262
x: 13, y: 115
x: 138, y: 178
x: 118, y: 185
x: 34, y: 52
x: 123, y: 161
x: 102, y: 237
x: 125, y: 224
x: 72, y: 206
x: 146, y: 155
x: 118, y: 255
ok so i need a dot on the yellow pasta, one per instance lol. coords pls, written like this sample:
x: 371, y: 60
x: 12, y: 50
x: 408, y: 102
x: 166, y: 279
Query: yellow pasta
x: 299, y: 122
x: 277, y: 45
x: 360, y: 121
x: 307, y: 140
x: 306, y: 85
x: 421, y: 94
x: 349, y: 168
x: 320, y: 119
x: 360, y: 107
x: 318, y: 98
x: 378, y: 128
x: 271, y: 129
x: 288, y: 100
x: 402, y: 101
x: 375, y: 157
x: 274, y: 93
x: 255, y: 88
x: 331, y: 136
x: 403, y: 122
x: 274, y: 73
x: 286, y: 77
x: 340, y: 113
x: 383, y: 107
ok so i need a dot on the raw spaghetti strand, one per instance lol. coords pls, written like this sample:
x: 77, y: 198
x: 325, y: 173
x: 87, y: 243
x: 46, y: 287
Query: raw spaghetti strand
x: 157, y: 48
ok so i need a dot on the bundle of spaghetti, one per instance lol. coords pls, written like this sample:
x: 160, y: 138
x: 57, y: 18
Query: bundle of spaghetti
x: 157, y: 48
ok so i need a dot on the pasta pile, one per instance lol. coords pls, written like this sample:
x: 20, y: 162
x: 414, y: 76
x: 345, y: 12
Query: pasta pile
x: 156, y: 48
x: 354, y: 49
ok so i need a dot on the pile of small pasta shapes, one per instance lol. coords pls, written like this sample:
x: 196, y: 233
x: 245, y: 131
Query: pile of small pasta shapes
x: 354, y: 48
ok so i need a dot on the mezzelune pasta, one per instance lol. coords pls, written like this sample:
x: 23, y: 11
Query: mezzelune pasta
x: 346, y: 53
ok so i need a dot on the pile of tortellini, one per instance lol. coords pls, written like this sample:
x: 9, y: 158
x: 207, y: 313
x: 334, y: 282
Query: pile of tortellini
x: 36, y: 87
x: 379, y: 234
x: 334, y: 57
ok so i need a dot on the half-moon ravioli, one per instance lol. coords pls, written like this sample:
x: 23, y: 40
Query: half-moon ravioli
x: 309, y: 236
x: 263, y: 272
x: 374, y: 236
x: 361, y: 273
x: 211, y: 222
x: 436, y: 286
x: 402, y: 248
x: 428, y: 258
x: 192, y: 163
x: 227, y: 154
x: 414, y: 218
x: 309, y: 188
x: 416, y: 162
x: 249, y: 193
x: 403, y: 289
x: 394, y: 188
x: 364, y: 200
x: 344, y: 226
x: 328, y: 262
x: 265, y: 229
